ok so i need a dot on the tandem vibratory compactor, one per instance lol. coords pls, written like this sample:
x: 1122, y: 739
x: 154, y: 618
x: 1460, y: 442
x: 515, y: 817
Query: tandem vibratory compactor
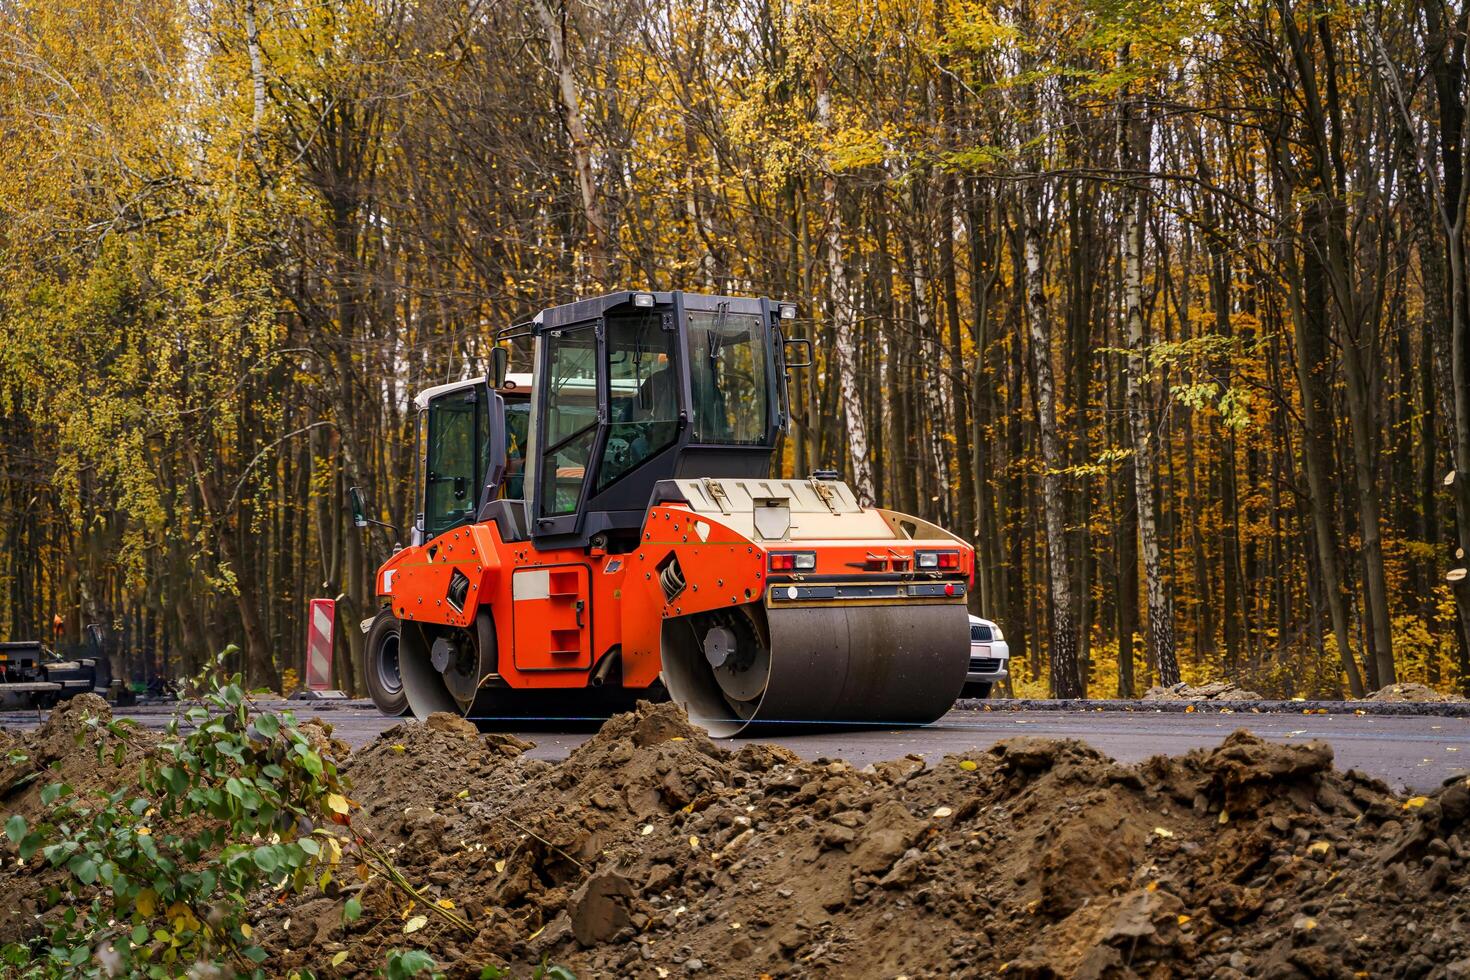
x: 606, y: 526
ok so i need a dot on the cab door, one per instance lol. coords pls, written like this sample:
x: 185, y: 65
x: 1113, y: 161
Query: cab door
x: 566, y: 433
x: 455, y: 458
x: 550, y: 608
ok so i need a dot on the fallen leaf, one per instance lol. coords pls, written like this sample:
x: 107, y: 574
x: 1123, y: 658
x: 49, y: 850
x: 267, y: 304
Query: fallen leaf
x: 1189, y: 710
x: 499, y: 866
x: 396, y: 747
x: 968, y: 765
x: 1163, y: 832
x: 942, y: 812
x: 1320, y: 847
x: 1415, y: 802
x: 245, y: 930
x: 416, y: 923
x: 340, y: 958
x: 444, y: 903
x: 694, y: 842
x: 1182, y: 919
x: 1224, y: 818
x: 463, y: 794
x: 144, y: 831
x: 647, y: 829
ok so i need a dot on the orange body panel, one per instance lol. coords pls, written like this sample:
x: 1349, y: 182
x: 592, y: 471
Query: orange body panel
x: 557, y: 613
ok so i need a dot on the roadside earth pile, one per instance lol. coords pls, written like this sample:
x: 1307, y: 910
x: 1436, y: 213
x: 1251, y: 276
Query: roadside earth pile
x: 1211, y: 691
x: 654, y: 852
x: 63, y: 750
x: 1411, y: 692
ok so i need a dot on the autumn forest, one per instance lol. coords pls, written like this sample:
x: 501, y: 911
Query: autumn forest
x: 1161, y: 305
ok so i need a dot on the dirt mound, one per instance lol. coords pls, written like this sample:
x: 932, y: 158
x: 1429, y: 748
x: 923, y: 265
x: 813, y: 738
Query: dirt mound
x: 652, y: 851
x: 1212, y: 691
x: 65, y: 749
x: 1413, y: 693
x: 68, y: 749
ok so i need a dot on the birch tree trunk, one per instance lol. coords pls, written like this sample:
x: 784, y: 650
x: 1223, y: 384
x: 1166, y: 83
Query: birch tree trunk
x: 1066, y: 681
x: 844, y: 318
x: 579, y: 143
x: 1161, y: 651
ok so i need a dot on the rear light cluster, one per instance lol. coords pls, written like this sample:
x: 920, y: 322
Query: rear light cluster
x: 937, y: 561
x: 793, y: 561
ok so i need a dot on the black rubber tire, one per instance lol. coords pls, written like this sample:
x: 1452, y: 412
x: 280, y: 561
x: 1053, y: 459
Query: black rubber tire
x: 380, y: 666
x: 977, y: 689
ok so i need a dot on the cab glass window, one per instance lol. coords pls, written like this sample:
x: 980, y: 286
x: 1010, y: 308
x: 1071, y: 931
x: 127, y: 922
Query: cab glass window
x: 728, y: 378
x: 517, y: 428
x: 643, y: 392
x: 455, y: 461
x: 571, y: 419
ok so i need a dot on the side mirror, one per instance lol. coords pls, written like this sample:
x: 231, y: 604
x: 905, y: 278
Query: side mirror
x: 788, y: 343
x: 359, y: 512
x: 499, y: 365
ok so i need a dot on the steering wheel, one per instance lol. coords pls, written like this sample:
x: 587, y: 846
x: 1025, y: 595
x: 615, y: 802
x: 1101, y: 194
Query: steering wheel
x: 619, y: 451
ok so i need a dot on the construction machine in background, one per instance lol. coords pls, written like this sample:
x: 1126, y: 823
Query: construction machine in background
x: 32, y: 676
x: 609, y: 523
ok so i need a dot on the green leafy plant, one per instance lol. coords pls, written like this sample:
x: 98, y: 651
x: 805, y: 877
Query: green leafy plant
x: 403, y: 964
x: 158, y: 872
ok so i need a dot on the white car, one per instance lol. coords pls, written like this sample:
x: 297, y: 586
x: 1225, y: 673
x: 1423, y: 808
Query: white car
x: 990, y: 658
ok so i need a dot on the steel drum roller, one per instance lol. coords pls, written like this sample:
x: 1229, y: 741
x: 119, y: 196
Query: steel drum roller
x: 752, y: 670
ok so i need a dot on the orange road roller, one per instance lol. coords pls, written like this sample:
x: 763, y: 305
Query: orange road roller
x: 606, y: 528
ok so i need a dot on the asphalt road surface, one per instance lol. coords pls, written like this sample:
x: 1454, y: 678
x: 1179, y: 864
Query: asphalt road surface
x: 1408, y: 752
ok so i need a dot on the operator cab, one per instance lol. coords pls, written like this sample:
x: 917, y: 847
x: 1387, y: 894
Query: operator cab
x: 456, y: 449
x: 641, y: 387
x: 635, y: 388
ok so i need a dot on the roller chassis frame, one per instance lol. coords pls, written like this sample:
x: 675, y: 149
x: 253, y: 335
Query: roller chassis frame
x: 583, y: 618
